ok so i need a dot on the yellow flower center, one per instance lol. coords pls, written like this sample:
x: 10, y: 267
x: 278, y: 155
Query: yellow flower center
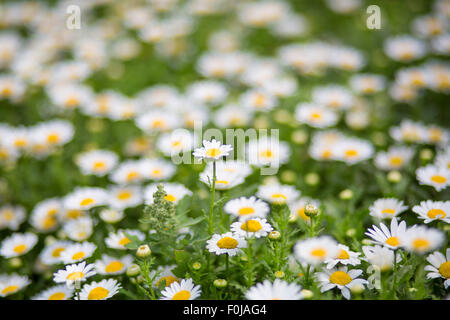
x: 10, y: 289
x: 98, y: 293
x: 388, y: 211
x: 266, y: 154
x: 72, y: 102
x: 319, y: 253
x: 20, y: 143
x: 8, y: 215
x: 435, y: 134
x: 114, y: 266
x: 20, y: 248
x: 251, y: 226
x: 227, y: 243
x: 170, y: 198
x: 444, y: 269
x: 279, y: 196
x: 396, y: 161
x: 245, y: 211
x: 169, y: 280
x: 301, y: 214
x: 182, y: 295
x: 316, y: 116
x: 6, y: 91
x: 421, y: 244
x: 438, y: 179
x: 351, y: 153
x: 75, y: 275
x: 124, y: 195
x: 436, y: 214
x: 157, y: 172
x: 393, y: 241
x: 99, y: 165
x: 86, y: 202
x: 343, y: 255
x: 326, y: 154
x: 158, y: 124
x: 57, y: 296
x: 213, y: 152
x: 132, y: 175
x: 222, y: 181
x: 78, y: 255
x: 57, y: 252
x: 340, y: 277
x: 49, y: 222
x: 53, y: 138
x: 260, y: 100
x: 124, y: 241
x: 73, y: 214
x: 176, y: 143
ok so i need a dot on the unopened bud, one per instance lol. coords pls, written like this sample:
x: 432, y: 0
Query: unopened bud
x: 143, y: 251
x: 220, y: 283
x: 311, y: 210
x: 133, y: 270
x: 196, y: 266
x: 288, y: 176
x: 274, y: 235
x: 15, y: 262
x: 279, y: 274
x: 394, y: 176
x: 299, y: 137
x: 426, y: 154
x: 307, y: 294
x: 346, y: 194
x: 312, y: 179
x: 350, y: 232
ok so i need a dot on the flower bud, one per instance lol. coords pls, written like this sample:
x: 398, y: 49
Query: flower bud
x: 274, y: 235
x: 312, y: 179
x: 196, y: 265
x: 346, y: 194
x: 143, y: 251
x: 394, y: 176
x: 426, y: 154
x: 299, y: 137
x: 307, y: 294
x: 311, y: 210
x: 288, y: 176
x: 15, y: 262
x: 350, y: 232
x: 133, y: 270
x: 279, y: 274
x: 220, y: 283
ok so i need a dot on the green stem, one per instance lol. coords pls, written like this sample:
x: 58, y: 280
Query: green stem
x: 311, y: 226
x: 211, y: 206
x: 227, y: 266
x: 250, y: 263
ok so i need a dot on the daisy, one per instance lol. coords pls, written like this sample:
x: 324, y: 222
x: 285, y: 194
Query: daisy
x: 44, y: 220
x: 443, y: 159
x: 184, y: 290
x: 102, y: 290
x: 297, y: 209
x: 179, y: 140
x: 277, y: 193
x: 404, y: 48
x: 112, y: 266
x: 251, y: 228
x: 387, y: 208
x: 431, y: 175
x: 212, y: 150
x: 345, y: 257
x: 59, y: 292
x: 156, y: 169
x: 122, y: 197
x: 345, y: 58
x: 408, y: 131
x: 315, y: 115
x: 97, y: 162
x: 353, y: 150
x: 334, y: 97
x: 281, y: 87
x: 436, y: 135
x: 127, y: 172
x: 175, y: 192
x: 163, y: 274
x: 395, y: 158
x: 157, y: 121
x: 53, y: 133
x: 79, y: 229
x: 439, y: 266
x: 224, y: 180
x: 367, y: 83
x: 267, y: 151
x: 403, y: 93
x: 258, y: 100
x: 118, y: 240
x: 207, y: 92
x: 341, y: 278
x: 422, y: 239
x: 18, y: 244
x: 77, y: 252
x: 232, y: 116
x: 278, y: 290
x: 85, y: 198
x: 433, y: 210
x: 226, y: 243
x: 380, y: 256
x: 74, y: 273
x: 70, y: 95
x: 237, y: 167
x: 51, y: 254
x: 314, y: 251
x: 111, y: 215
x: 11, y: 217
x: 11, y: 88
x: 10, y: 284
x: 389, y: 238
x: 160, y: 96
x: 247, y: 208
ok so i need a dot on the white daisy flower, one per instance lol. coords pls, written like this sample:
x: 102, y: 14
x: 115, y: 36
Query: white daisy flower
x: 367, y: 83
x: 164, y: 274
x: 175, y: 142
x: 175, y: 192
x: 433, y: 210
x: 112, y: 266
x: 439, y: 266
x: 422, y: 239
x: 247, y: 208
x: 11, y: 217
x: 258, y: 100
x: 344, y: 257
x: 10, y: 284
x: 122, y: 197
x: 404, y: 48
x: 431, y: 175
x: 395, y: 158
x: 53, y: 133
x: 207, y: 92
x: 79, y: 229
x: 353, y: 150
x: 69, y: 95
x: 224, y: 180
x: 18, y: 244
x: 334, y: 97
x: 297, y: 208
x: 77, y: 252
x: 226, y: 243
x: 277, y: 193
x: 232, y: 116
x: 341, y: 278
x: 51, y: 254
x: 212, y: 150
x: 102, y: 290
x: 278, y: 290
x: 380, y: 256
x: 387, y: 208
x: 59, y: 292
x: 408, y: 131
x: 118, y: 240
x: 314, y: 251
x: 251, y: 228
x: 97, y: 162
x: 85, y: 198
x: 156, y: 169
x: 74, y: 273
x: 184, y: 290
x: 267, y: 151
x: 127, y: 172
x: 389, y: 238
x: 157, y: 121
x: 315, y: 115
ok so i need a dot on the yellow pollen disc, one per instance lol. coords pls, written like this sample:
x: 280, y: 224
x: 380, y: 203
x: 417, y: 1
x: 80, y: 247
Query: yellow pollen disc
x: 301, y: 214
x: 49, y: 222
x: 114, y: 266
x: 421, y: 244
x: 406, y: 55
x: 320, y: 253
x: 436, y: 214
x: 444, y: 269
x: 213, y: 152
x: 73, y: 214
x: 227, y: 243
x: 266, y: 154
x: 75, y: 275
x: 246, y: 210
x: 132, y: 175
x: 393, y: 241
x: 124, y: 241
x: 435, y: 134
x: 316, y: 116
x: 86, y: 202
x: 351, y: 153
x: 8, y: 215
x: 335, y: 103
x: 53, y: 138
x: 98, y: 293
x: 396, y: 161
x: 343, y: 255
x: 176, y: 143
x: 169, y: 280
x: 182, y: 295
x: 278, y: 196
x: 99, y: 165
x: 52, y: 212
x: 72, y: 102
x: 20, y: 143
x: 260, y: 100
x: 78, y: 255
x: 170, y: 197
x: 9, y: 290
x: 124, y: 195
x: 438, y: 179
x: 157, y: 172
x: 158, y: 124
x: 251, y: 226
x: 222, y: 181
x: 57, y: 296
x: 340, y: 277
x: 326, y: 154
x: 388, y: 211
x: 20, y: 248
x: 57, y: 252
x: 6, y: 91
